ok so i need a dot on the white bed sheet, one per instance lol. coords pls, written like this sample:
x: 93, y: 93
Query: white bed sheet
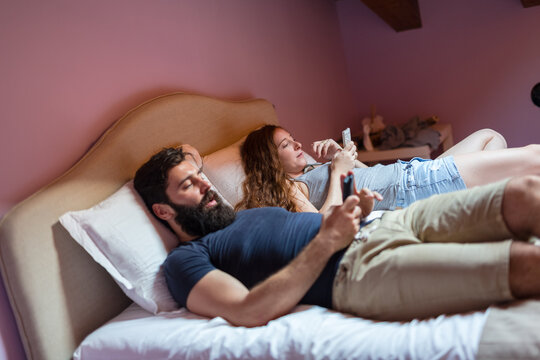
x: 310, y: 332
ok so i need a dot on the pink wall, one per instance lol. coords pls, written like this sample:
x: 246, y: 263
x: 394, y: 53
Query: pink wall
x: 473, y: 63
x: 70, y: 68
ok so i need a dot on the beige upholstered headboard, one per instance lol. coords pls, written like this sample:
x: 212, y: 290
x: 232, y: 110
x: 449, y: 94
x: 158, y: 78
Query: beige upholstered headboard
x: 57, y: 292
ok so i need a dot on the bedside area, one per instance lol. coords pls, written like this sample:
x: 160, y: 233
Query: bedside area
x: 405, y: 153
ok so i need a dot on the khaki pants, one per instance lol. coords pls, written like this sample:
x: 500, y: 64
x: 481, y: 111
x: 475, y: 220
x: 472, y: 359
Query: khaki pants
x: 445, y: 254
x: 511, y: 332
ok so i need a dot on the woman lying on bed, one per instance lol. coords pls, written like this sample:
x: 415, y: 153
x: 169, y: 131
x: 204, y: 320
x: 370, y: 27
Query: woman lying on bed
x: 277, y: 174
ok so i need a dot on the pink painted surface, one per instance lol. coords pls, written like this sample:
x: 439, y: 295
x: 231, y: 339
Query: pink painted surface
x: 10, y: 343
x: 473, y: 63
x: 70, y: 68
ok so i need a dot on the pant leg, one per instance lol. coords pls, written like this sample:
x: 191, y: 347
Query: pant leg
x: 511, y: 332
x: 441, y: 255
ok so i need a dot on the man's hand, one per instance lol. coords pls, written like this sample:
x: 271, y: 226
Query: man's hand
x: 366, y: 198
x: 340, y: 224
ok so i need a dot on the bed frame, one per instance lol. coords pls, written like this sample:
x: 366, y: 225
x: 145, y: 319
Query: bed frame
x: 59, y: 295
x: 57, y: 292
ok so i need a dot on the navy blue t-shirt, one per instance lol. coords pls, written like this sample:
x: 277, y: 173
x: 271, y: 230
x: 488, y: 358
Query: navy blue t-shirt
x: 256, y: 245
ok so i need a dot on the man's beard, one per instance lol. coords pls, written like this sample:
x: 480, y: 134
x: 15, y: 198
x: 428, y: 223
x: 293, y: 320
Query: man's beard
x: 199, y: 220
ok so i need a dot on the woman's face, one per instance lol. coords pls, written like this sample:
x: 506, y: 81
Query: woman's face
x: 290, y: 152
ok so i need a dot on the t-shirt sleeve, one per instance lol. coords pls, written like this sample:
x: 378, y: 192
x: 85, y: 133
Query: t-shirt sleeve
x: 184, y: 267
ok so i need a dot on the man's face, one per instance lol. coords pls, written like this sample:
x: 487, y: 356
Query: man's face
x: 199, y: 210
x: 185, y: 184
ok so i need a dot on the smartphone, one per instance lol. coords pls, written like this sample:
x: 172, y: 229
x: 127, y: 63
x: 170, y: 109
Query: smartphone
x: 348, y: 186
x: 346, y: 136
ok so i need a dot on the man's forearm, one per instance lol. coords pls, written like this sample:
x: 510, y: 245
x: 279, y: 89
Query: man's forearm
x: 220, y: 294
x: 278, y: 294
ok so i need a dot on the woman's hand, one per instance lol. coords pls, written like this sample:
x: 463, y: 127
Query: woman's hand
x: 326, y: 149
x: 344, y: 160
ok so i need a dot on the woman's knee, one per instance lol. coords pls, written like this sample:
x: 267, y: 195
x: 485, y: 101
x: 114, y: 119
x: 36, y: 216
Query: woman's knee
x: 493, y: 139
x: 532, y: 149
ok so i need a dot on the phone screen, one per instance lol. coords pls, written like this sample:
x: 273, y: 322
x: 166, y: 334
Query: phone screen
x: 348, y: 186
x: 346, y: 136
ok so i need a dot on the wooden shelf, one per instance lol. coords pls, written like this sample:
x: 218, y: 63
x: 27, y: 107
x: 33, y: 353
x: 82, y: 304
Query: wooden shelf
x: 447, y: 141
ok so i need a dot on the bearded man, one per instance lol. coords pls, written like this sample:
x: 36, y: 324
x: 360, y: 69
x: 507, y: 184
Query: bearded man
x: 449, y: 253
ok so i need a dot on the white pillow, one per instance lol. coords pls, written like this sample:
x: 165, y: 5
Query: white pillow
x: 225, y: 171
x: 122, y: 236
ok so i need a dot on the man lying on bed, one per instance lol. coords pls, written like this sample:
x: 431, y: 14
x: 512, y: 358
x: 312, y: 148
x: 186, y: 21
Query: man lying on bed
x: 444, y: 254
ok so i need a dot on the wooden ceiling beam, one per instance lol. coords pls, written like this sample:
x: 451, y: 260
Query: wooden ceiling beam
x: 401, y: 15
x: 529, y: 3
x: 404, y: 15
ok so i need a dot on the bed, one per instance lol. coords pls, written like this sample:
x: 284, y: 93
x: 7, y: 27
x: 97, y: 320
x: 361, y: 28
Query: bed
x: 67, y: 304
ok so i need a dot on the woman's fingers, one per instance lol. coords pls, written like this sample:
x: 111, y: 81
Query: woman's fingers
x: 325, y: 148
x: 351, y: 149
x: 317, y: 148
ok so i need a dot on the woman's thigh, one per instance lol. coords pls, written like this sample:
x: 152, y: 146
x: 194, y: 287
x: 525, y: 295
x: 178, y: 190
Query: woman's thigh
x: 483, y: 167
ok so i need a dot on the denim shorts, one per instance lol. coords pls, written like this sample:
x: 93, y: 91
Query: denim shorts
x: 422, y: 178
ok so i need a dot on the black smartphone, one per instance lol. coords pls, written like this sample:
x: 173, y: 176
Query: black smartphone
x: 348, y: 186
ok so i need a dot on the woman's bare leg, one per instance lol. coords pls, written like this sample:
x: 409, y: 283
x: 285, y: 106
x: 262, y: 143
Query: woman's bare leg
x: 485, y: 139
x: 488, y: 166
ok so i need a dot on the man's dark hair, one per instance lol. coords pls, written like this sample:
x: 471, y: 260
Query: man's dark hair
x: 151, y: 179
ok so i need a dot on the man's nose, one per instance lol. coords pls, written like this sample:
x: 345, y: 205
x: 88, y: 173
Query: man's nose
x: 204, y: 185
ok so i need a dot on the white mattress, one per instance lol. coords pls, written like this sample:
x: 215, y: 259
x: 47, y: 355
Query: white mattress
x: 310, y: 332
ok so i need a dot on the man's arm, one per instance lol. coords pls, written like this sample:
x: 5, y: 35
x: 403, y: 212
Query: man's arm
x: 219, y: 294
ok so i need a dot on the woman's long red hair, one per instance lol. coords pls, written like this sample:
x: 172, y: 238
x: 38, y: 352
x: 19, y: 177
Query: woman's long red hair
x: 266, y: 183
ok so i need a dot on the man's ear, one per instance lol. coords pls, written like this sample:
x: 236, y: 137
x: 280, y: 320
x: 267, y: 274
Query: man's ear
x: 163, y: 211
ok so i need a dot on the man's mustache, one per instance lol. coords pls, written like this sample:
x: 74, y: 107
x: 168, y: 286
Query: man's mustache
x: 209, y: 196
